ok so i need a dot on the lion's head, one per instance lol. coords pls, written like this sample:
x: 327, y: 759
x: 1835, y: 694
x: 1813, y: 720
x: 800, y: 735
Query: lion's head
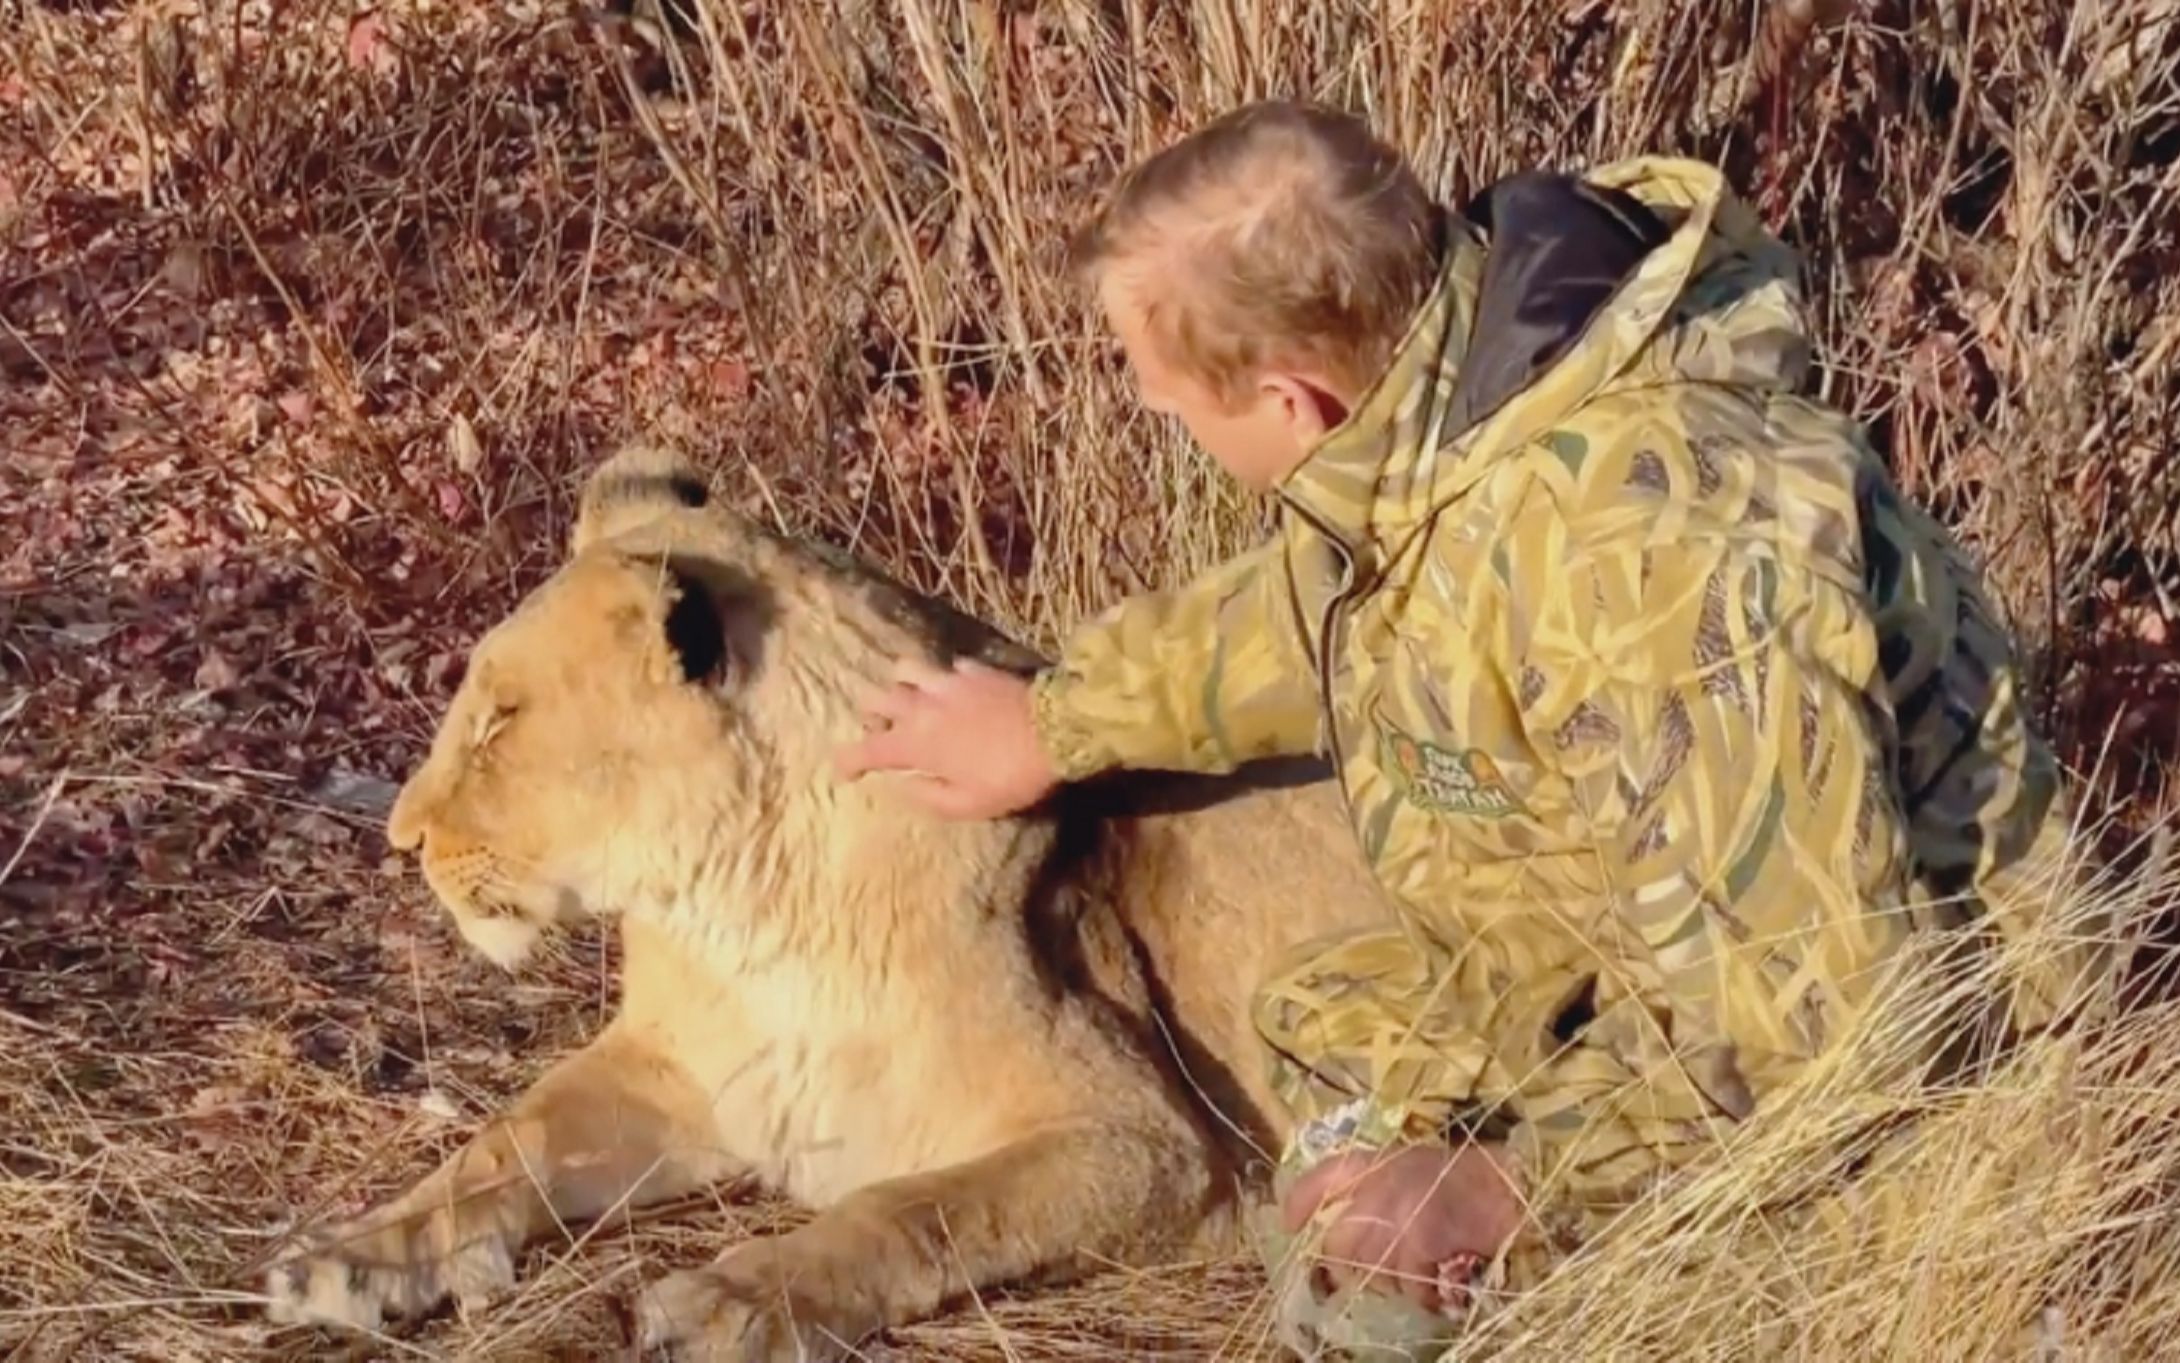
x: 654, y: 723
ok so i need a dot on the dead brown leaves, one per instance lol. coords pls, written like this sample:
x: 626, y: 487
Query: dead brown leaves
x: 305, y: 328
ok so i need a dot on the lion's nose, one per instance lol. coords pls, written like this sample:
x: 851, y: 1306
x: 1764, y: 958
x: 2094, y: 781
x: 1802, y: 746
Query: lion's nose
x: 405, y: 824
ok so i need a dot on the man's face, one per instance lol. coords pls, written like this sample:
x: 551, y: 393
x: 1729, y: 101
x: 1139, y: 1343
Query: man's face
x: 1259, y: 441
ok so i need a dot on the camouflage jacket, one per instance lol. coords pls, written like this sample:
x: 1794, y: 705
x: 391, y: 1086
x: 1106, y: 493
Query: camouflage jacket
x: 1647, y: 693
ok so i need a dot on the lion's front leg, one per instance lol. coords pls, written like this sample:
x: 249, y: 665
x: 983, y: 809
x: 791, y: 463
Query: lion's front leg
x: 1045, y: 1207
x: 617, y: 1123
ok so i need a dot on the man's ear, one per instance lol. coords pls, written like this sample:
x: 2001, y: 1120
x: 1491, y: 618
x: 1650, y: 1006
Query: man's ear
x: 1309, y: 408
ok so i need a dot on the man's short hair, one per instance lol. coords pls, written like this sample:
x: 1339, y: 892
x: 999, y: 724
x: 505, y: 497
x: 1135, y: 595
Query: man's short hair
x: 1278, y: 233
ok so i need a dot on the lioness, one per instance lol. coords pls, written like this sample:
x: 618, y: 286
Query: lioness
x: 982, y: 1053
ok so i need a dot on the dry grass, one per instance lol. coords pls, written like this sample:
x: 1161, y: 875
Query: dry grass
x: 304, y: 331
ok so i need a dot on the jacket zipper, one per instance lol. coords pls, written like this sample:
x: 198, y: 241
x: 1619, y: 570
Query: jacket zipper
x: 1326, y: 624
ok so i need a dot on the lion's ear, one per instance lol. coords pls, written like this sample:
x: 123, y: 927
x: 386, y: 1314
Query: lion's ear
x: 715, y: 623
x: 640, y: 483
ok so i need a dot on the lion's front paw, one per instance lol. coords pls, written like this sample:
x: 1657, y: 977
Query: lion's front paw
x: 737, y: 1310
x: 362, y: 1279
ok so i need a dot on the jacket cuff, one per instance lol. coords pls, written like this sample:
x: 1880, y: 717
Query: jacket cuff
x: 1357, y: 1125
x: 1072, y: 747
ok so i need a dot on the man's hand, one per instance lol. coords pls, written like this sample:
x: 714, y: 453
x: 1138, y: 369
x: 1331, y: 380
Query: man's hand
x: 1418, y: 1220
x: 964, y: 736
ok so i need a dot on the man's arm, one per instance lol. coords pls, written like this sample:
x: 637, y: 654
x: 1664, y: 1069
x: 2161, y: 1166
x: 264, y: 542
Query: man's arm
x: 1202, y: 678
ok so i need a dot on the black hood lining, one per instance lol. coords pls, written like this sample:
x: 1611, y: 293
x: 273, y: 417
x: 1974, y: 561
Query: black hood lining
x: 1558, y: 249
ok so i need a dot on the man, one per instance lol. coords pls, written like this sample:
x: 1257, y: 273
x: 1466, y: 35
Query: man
x: 1656, y: 709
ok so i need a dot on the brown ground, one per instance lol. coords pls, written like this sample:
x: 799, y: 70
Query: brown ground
x: 305, y: 329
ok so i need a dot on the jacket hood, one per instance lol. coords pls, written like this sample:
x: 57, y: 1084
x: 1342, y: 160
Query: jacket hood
x: 1554, y: 288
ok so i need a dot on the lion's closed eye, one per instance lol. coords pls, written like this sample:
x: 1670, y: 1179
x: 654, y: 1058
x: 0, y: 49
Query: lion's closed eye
x: 489, y: 724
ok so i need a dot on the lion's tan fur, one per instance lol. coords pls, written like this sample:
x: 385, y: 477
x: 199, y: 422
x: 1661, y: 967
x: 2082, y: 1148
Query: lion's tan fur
x: 983, y: 1052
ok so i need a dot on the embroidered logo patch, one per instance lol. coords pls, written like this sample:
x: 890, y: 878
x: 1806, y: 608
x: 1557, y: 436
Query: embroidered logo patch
x: 1464, y: 782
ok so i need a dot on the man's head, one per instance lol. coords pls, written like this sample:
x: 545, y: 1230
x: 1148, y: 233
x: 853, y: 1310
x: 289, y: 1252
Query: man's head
x: 1260, y: 273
